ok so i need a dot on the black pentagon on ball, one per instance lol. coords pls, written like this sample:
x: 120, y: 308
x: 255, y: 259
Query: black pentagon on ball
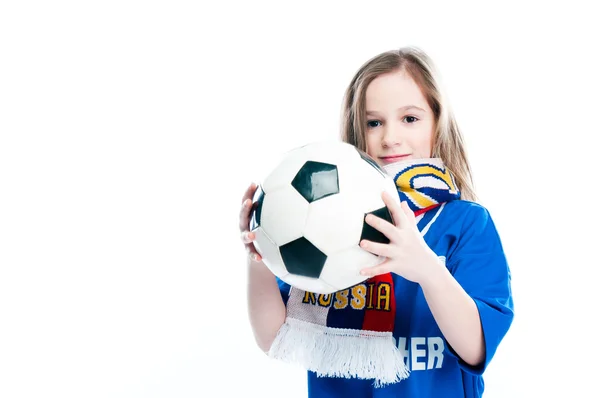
x: 256, y: 210
x: 371, y: 162
x: 370, y: 233
x: 316, y: 180
x: 301, y: 257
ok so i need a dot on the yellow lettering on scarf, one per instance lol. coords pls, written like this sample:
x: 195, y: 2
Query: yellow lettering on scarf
x: 325, y: 300
x: 404, y: 182
x: 341, y: 299
x: 309, y: 298
x: 358, y: 297
x: 370, y: 295
x: 383, y: 294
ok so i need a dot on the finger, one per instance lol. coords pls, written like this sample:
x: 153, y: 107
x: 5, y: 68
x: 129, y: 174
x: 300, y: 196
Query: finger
x: 252, y: 253
x: 247, y: 206
x: 410, y: 215
x: 379, y: 249
x: 383, y: 226
x: 248, y: 237
x: 383, y: 268
x: 249, y: 192
x: 245, y: 214
x: 396, y: 210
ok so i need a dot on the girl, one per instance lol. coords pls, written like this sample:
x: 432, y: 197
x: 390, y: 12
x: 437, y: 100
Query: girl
x: 445, y: 263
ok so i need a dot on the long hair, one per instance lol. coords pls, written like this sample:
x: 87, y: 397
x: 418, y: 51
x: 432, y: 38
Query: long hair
x: 448, y: 143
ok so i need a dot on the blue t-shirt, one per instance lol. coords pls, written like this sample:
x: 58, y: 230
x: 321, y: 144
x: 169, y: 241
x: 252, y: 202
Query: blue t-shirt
x: 463, y: 234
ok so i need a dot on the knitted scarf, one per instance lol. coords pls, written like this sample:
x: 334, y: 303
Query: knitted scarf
x: 349, y: 333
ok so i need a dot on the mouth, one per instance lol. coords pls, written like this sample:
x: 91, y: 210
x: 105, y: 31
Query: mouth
x: 393, y: 158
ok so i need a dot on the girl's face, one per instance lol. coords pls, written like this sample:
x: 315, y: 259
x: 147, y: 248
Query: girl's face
x: 400, y: 123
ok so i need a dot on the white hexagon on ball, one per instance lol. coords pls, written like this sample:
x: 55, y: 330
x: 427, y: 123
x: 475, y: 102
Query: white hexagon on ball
x: 366, y: 182
x: 334, y: 152
x: 342, y: 269
x: 283, y: 215
x: 334, y: 223
x: 269, y: 252
x: 314, y: 285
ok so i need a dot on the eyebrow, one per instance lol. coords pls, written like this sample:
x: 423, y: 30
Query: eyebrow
x: 403, y: 108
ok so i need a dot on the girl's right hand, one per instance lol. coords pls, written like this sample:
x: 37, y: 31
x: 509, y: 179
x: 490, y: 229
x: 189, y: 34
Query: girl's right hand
x: 247, y: 236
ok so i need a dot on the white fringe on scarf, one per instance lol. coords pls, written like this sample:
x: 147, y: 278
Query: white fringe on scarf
x: 335, y: 352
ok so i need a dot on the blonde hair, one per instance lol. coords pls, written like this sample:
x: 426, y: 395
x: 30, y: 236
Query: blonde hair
x: 448, y: 142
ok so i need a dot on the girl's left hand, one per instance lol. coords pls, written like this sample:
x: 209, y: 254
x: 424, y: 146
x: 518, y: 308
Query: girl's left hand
x: 407, y: 253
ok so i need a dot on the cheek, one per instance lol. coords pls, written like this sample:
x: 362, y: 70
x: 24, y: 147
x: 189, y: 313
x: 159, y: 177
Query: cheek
x: 428, y: 146
x: 426, y: 141
x: 370, y: 146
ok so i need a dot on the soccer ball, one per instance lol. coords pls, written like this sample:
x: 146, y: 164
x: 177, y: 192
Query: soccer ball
x: 308, y: 216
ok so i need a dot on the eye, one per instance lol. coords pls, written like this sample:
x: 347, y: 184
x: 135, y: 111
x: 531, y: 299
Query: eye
x: 373, y: 123
x: 410, y: 119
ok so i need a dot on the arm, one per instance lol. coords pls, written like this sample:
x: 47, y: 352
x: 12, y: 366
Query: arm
x: 470, y: 296
x: 455, y: 313
x: 266, y: 309
x: 265, y: 305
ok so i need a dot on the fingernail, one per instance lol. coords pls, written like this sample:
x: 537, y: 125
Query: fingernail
x: 255, y: 257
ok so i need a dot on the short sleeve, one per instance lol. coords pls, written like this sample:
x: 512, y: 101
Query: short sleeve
x: 284, y: 289
x: 478, y: 262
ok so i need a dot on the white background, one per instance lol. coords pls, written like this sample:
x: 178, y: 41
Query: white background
x: 129, y: 131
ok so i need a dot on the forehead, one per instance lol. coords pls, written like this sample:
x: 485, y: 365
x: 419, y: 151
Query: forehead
x: 394, y: 90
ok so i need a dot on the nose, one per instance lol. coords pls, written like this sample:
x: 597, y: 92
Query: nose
x: 392, y: 136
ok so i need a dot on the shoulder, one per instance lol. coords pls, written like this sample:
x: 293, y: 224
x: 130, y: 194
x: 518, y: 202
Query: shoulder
x: 467, y: 209
x: 472, y: 229
x: 461, y: 216
x: 461, y: 226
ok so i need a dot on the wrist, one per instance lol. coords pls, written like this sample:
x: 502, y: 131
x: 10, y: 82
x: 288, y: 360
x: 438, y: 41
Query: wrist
x: 257, y: 265
x: 434, y: 272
